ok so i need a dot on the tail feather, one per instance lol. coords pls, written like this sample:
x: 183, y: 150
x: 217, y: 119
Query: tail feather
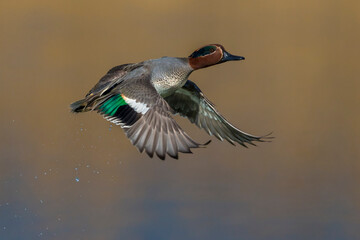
x: 79, y: 106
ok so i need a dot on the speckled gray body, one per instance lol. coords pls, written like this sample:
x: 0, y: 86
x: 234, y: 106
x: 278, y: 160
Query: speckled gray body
x: 168, y: 74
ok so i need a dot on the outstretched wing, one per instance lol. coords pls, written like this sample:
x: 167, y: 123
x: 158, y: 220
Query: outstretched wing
x: 136, y: 106
x: 191, y: 103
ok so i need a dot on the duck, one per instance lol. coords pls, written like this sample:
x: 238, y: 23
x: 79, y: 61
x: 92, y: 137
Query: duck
x: 142, y: 98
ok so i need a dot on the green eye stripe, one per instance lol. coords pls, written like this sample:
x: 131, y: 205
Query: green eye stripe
x: 203, y: 51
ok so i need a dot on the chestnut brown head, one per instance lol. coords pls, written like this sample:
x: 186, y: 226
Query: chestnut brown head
x: 210, y: 55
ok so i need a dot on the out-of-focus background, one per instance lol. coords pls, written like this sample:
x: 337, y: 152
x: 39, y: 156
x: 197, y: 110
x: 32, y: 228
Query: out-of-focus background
x: 66, y: 176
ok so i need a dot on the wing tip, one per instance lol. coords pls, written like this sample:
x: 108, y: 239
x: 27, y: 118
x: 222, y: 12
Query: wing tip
x: 205, y: 144
x: 266, y: 137
x: 251, y: 139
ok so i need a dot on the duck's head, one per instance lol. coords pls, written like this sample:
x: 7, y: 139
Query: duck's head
x: 210, y: 55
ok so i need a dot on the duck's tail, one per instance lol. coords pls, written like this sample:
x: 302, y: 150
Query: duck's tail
x: 79, y: 106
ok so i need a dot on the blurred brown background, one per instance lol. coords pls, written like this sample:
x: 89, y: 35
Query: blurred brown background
x: 65, y: 176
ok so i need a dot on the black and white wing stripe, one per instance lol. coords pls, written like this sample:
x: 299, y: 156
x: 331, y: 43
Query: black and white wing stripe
x: 125, y: 116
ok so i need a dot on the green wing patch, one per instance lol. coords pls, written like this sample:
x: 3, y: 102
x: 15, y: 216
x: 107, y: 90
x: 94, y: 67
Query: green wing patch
x: 110, y: 106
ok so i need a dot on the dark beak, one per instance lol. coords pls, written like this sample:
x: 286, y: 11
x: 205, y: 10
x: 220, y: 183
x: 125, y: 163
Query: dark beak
x: 229, y: 57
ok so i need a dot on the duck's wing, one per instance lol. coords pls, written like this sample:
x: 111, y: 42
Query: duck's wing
x: 98, y: 93
x: 191, y: 103
x: 113, y: 77
x: 145, y: 116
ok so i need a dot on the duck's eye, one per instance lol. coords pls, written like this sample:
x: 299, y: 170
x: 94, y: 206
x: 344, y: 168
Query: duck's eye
x: 203, y: 51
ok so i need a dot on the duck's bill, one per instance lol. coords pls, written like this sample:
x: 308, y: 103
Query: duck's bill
x: 229, y: 57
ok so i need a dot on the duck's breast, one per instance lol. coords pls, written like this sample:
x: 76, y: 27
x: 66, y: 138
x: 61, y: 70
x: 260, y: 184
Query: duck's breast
x: 169, y: 74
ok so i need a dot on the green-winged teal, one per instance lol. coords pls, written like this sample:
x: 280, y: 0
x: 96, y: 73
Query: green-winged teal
x: 141, y: 97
